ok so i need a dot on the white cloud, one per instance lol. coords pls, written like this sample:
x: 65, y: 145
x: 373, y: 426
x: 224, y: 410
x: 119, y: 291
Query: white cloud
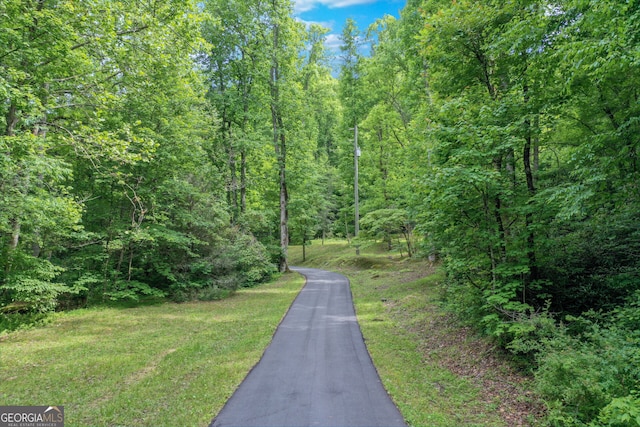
x: 327, y: 24
x: 304, y: 5
x: 333, y: 42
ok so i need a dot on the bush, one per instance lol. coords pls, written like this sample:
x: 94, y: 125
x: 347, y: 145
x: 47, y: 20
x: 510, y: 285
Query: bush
x: 14, y: 321
x: 528, y: 336
x: 622, y: 412
x: 238, y: 261
x: 132, y: 290
x: 195, y: 292
x: 30, y: 285
x: 589, y: 372
x: 242, y: 262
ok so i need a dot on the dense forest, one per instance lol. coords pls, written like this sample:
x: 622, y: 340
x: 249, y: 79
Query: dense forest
x: 173, y: 148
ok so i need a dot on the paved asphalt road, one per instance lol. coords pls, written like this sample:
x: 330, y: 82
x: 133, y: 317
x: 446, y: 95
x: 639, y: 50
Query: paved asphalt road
x: 316, y: 371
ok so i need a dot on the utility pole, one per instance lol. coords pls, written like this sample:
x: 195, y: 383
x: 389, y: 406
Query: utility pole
x: 356, y: 155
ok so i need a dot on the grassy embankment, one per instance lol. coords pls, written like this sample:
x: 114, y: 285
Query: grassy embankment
x: 437, y: 372
x: 162, y: 365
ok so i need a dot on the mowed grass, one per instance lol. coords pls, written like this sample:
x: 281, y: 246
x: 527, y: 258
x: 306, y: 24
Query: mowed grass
x: 162, y: 365
x: 409, y: 337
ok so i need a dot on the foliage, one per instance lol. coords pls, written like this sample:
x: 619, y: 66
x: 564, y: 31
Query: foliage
x: 515, y: 131
x: 588, y: 371
x: 109, y: 187
x: 32, y: 289
x: 384, y: 224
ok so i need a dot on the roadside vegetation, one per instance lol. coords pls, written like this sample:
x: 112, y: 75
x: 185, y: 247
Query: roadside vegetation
x: 152, y: 365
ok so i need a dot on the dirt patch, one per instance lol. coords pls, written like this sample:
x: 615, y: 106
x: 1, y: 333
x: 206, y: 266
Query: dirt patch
x: 149, y: 369
x: 467, y: 355
x: 369, y: 262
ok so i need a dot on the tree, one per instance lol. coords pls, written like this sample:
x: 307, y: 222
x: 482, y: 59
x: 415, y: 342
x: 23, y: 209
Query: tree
x: 482, y: 68
x: 109, y: 163
x: 320, y: 114
x: 234, y: 65
x: 384, y: 224
x: 59, y: 68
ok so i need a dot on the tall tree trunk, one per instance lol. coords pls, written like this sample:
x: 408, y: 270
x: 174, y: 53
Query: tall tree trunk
x: 279, y: 141
x: 304, y: 248
x: 233, y: 181
x: 247, y: 82
x: 243, y: 181
x: 15, y: 234
x: 531, y: 243
x: 536, y: 147
x: 130, y: 268
x: 526, y: 159
x: 284, y: 213
x: 497, y: 214
x: 12, y: 120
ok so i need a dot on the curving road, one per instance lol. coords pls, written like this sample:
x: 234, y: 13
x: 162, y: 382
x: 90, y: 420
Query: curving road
x: 316, y: 371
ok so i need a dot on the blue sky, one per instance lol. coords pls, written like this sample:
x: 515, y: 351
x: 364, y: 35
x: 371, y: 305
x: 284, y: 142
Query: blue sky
x: 333, y: 13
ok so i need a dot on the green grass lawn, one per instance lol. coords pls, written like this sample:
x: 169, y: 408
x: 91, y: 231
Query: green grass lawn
x: 437, y: 372
x: 162, y: 365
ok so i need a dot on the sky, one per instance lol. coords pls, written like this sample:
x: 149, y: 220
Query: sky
x: 333, y: 14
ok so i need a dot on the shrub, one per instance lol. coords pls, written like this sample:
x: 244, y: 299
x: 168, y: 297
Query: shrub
x: 589, y: 372
x: 621, y: 412
x: 132, y: 290
x: 31, y: 285
x: 238, y: 261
